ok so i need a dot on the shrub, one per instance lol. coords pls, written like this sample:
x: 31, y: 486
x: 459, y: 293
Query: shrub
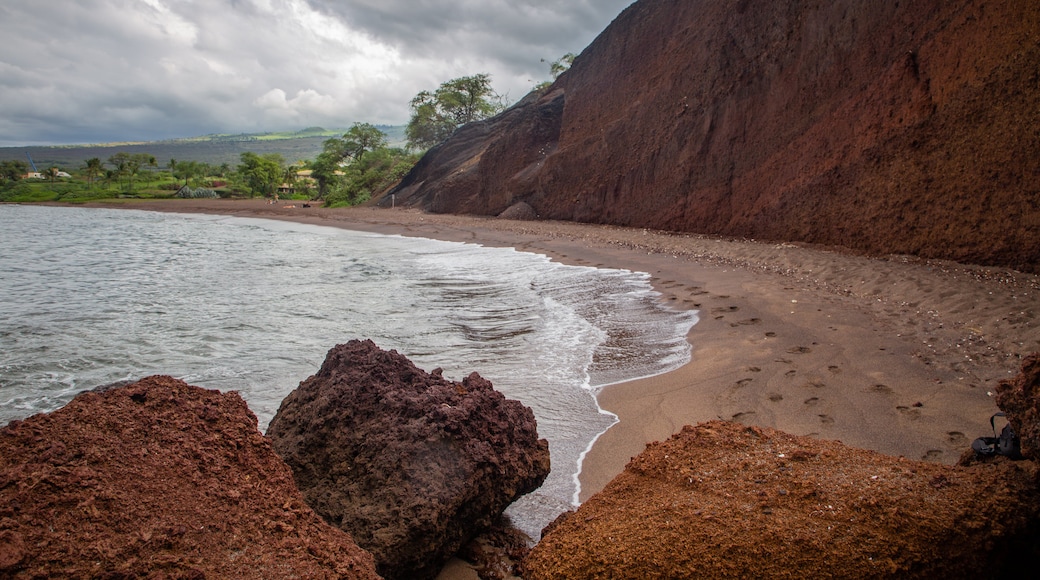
x: 197, y: 193
x: 23, y: 192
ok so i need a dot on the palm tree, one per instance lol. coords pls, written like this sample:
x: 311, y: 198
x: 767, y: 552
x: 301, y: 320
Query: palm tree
x: 93, y: 169
x: 289, y: 175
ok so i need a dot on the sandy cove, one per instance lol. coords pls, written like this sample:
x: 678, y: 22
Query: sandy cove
x: 894, y: 354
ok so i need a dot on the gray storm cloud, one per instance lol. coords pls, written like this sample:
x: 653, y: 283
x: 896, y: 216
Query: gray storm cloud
x: 119, y: 70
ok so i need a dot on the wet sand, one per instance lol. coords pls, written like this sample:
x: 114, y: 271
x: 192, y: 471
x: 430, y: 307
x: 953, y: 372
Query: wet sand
x: 894, y: 354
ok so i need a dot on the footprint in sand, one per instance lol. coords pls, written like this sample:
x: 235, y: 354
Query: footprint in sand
x: 743, y: 382
x: 957, y: 439
x: 826, y: 419
x: 812, y: 401
x: 834, y: 369
x: 724, y: 309
x: 883, y: 389
x: 748, y: 322
x: 776, y: 397
x: 932, y: 455
x: 814, y: 385
x: 799, y: 350
x: 908, y: 412
x: 741, y: 416
x: 754, y: 370
x: 790, y: 373
x: 770, y: 335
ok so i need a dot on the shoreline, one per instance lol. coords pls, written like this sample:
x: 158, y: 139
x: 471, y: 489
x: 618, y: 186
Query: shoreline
x: 892, y: 354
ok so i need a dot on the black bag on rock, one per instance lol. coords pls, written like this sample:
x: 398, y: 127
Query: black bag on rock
x: 1005, y: 444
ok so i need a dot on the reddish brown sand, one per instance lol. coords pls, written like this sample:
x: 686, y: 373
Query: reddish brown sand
x: 893, y: 354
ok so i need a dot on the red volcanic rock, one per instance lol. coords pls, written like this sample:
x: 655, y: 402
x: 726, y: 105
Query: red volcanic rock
x: 894, y: 127
x: 411, y: 464
x: 1019, y: 398
x: 158, y: 479
x: 723, y: 500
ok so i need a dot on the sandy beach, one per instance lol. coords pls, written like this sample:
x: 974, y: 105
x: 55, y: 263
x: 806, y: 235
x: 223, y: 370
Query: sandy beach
x: 893, y: 354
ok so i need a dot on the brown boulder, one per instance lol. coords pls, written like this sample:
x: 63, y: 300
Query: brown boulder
x: 519, y: 211
x: 728, y: 500
x: 895, y: 127
x: 411, y: 464
x: 158, y: 479
x: 1019, y: 398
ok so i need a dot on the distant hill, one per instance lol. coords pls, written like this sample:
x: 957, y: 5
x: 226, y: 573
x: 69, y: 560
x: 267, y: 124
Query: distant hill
x: 213, y: 149
x: 887, y: 127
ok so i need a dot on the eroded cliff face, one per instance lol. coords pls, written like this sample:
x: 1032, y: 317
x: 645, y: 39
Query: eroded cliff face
x: 885, y: 127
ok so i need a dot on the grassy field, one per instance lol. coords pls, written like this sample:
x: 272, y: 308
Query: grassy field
x: 148, y: 185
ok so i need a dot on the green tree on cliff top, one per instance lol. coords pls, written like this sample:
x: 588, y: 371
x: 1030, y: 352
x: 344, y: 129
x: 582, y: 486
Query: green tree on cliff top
x: 436, y: 115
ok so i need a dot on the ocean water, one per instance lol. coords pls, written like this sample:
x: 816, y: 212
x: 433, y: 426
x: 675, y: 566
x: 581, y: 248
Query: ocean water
x: 93, y: 296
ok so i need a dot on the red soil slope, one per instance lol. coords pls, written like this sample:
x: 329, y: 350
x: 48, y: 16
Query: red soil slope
x: 886, y: 127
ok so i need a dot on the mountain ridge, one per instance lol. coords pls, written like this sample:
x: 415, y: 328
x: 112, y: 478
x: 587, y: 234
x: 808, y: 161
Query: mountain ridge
x: 214, y: 148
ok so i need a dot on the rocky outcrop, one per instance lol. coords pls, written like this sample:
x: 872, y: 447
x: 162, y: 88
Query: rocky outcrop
x: 728, y: 500
x: 158, y: 479
x: 411, y: 464
x: 1019, y: 398
x: 519, y: 211
x: 900, y: 127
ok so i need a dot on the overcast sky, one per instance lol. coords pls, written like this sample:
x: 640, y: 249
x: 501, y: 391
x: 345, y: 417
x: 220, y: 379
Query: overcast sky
x: 97, y: 71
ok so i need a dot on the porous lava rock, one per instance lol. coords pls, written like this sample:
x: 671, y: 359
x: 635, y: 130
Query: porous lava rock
x: 728, y: 500
x: 411, y: 464
x: 158, y: 479
x: 1019, y: 398
x: 893, y: 127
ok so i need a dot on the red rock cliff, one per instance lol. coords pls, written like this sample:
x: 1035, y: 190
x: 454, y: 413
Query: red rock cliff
x: 887, y: 127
